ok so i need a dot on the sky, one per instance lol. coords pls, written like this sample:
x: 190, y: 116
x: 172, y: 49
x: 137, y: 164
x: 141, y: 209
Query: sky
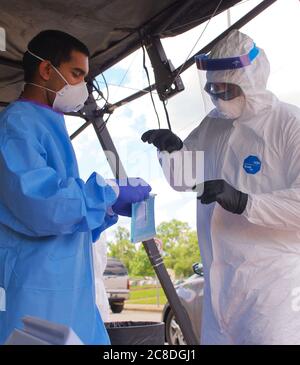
x: 276, y: 30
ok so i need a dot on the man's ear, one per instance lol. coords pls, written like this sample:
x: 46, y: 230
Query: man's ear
x: 45, y: 70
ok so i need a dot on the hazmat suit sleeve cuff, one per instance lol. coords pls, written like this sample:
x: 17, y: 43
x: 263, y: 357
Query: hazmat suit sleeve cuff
x: 278, y: 209
x: 247, y: 212
x: 251, y: 210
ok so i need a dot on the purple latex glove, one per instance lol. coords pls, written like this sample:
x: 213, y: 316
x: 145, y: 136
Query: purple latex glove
x: 131, y: 190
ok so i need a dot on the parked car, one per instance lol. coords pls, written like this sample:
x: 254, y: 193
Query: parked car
x: 190, y: 293
x: 116, y: 283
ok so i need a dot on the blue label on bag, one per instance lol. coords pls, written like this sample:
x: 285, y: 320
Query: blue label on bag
x: 143, y: 220
x: 252, y: 164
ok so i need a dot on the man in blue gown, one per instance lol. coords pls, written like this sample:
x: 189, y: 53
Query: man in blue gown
x: 49, y: 216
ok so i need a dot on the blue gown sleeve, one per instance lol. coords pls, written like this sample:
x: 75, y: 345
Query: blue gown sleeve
x: 109, y: 220
x: 36, y: 201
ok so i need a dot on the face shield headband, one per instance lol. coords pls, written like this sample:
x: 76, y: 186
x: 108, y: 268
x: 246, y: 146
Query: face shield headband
x: 203, y: 61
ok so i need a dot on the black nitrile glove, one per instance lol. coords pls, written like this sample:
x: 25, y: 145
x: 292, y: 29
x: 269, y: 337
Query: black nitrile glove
x: 227, y: 196
x: 163, y: 139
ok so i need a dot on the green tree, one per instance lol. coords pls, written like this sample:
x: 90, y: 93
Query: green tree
x: 172, y: 233
x: 188, y: 253
x: 180, y: 245
x: 140, y: 265
x: 121, y: 247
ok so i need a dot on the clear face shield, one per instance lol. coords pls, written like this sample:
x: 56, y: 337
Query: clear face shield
x: 225, y: 82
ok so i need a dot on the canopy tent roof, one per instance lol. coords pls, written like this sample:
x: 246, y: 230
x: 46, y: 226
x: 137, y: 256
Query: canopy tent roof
x: 110, y: 28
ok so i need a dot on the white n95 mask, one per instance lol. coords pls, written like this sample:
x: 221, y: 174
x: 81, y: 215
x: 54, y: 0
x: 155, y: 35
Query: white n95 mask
x: 230, y: 109
x: 70, y: 98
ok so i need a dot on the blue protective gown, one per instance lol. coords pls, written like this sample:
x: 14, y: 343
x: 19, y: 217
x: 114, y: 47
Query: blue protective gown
x: 49, y: 218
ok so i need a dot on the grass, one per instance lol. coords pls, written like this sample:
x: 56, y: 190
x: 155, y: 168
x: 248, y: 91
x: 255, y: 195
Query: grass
x: 146, y: 295
x: 146, y: 286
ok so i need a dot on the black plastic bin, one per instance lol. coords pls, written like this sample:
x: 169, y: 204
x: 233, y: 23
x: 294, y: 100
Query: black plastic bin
x: 136, y: 333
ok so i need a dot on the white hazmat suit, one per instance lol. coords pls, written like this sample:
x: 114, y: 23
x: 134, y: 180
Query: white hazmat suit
x: 100, y: 262
x: 251, y: 261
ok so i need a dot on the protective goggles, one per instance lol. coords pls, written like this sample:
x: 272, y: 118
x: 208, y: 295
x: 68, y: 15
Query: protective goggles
x: 231, y: 63
x: 222, y: 90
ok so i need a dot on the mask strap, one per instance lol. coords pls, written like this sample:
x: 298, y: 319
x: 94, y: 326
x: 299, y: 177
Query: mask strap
x: 41, y: 59
x: 42, y: 87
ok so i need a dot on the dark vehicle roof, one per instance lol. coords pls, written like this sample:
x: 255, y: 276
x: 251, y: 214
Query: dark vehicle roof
x: 112, y: 29
x: 115, y: 267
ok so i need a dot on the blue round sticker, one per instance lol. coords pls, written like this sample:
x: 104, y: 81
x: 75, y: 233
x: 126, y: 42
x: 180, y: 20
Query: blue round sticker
x: 252, y: 164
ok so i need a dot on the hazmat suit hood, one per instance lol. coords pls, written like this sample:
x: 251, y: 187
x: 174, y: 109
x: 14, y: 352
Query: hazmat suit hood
x: 252, y: 79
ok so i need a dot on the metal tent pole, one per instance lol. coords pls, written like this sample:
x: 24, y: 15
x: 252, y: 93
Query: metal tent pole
x: 155, y: 258
x: 240, y: 23
x: 178, y: 309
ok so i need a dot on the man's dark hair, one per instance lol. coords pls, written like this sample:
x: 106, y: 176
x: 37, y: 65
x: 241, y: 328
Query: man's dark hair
x: 52, y: 45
